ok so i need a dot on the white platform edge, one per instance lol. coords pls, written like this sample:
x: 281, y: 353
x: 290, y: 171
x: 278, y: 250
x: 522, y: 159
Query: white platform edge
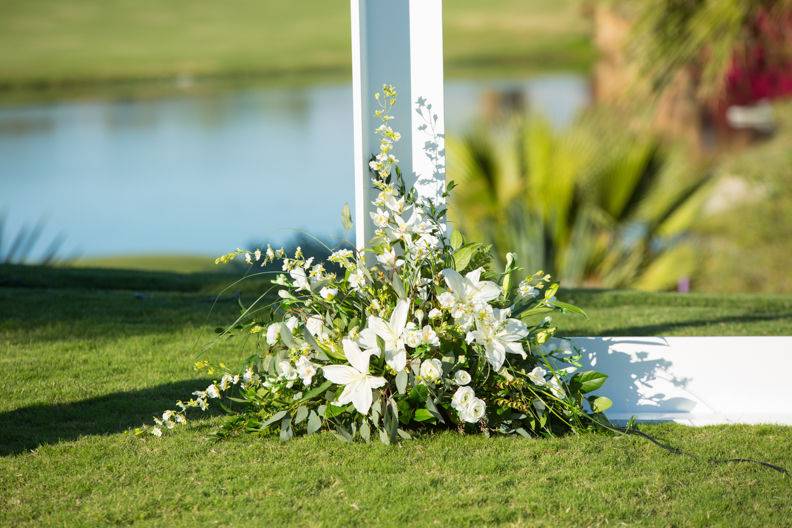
x: 694, y: 380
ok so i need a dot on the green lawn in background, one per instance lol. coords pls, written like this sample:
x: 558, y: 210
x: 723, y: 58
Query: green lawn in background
x: 51, y: 43
x: 87, y: 355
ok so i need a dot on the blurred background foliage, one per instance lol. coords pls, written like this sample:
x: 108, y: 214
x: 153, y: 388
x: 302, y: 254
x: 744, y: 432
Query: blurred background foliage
x: 595, y: 205
x: 678, y: 174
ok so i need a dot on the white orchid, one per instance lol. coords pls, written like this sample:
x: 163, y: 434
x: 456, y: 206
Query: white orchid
x: 392, y: 333
x: 358, y: 383
x: 499, y: 334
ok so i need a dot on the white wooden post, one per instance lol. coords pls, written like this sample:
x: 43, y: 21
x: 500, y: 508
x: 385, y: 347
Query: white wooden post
x: 398, y: 42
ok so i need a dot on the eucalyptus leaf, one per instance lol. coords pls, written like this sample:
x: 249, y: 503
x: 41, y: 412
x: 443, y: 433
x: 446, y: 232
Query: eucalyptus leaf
x: 401, y: 381
x: 301, y: 414
x: 365, y: 431
x: 274, y: 418
x: 286, y: 432
x: 314, y: 423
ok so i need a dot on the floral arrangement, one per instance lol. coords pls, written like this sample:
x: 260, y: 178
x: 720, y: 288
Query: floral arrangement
x: 415, y: 333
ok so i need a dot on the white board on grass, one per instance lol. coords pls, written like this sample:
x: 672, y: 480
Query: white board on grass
x: 695, y: 380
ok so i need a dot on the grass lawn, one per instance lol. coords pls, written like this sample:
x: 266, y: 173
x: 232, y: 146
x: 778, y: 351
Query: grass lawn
x: 51, y: 43
x: 87, y: 355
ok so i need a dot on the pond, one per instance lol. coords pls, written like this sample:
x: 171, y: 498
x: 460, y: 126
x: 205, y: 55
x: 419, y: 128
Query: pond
x: 201, y: 174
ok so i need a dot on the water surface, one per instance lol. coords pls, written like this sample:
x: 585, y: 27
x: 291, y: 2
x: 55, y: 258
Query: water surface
x: 203, y: 174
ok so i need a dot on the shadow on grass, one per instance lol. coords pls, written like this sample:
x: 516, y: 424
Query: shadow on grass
x: 665, y: 328
x: 30, y: 427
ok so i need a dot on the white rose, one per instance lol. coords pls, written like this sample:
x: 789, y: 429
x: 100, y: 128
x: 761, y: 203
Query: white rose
x: 473, y: 411
x: 462, y: 397
x: 461, y: 377
x: 537, y: 375
x: 431, y: 369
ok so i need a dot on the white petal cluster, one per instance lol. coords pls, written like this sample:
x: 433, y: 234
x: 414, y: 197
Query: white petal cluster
x: 469, y: 408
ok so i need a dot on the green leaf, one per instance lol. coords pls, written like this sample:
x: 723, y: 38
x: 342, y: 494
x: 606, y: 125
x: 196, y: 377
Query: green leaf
x: 401, y: 381
x: 457, y: 240
x: 274, y: 418
x: 589, y: 381
x: 432, y: 408
x: 314, y: 423
x: 570, y: 308
x: 346, y: 217
x: 301, y: 414
x: 423, y: 415
x: 286, y: 432
x: 463, y: 255
x: 365, y: 431
x: 342, y: 433
x: 418, y: 394
x: 333, y: 410
x: 316, y: 391
x: 600, y: 404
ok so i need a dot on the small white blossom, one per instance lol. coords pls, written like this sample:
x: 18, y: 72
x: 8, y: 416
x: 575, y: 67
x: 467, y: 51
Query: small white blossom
x: 380, y: 217
x: 286, y: 370
x: 389, y: 260
x: 156, y: 431
x: 273, y: 331
x: 305, y: 370
x: 434, y: 313
x: 328, y: 294
x: 556, y: 388
x: 212, y: 391
x: 537, y: 376
x: 357, y: 279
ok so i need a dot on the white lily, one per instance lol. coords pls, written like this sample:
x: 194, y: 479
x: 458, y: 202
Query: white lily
x: 499, y: 334
x: 392, y: 333
x: 355, y: 376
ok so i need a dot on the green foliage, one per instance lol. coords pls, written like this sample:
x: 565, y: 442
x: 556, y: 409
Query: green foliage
x: 595, y: 206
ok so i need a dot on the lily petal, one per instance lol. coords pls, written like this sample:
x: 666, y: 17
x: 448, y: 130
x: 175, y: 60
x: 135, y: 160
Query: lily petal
x: 356, y: 357
x: 398, y: 318
x: 340, y: 374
